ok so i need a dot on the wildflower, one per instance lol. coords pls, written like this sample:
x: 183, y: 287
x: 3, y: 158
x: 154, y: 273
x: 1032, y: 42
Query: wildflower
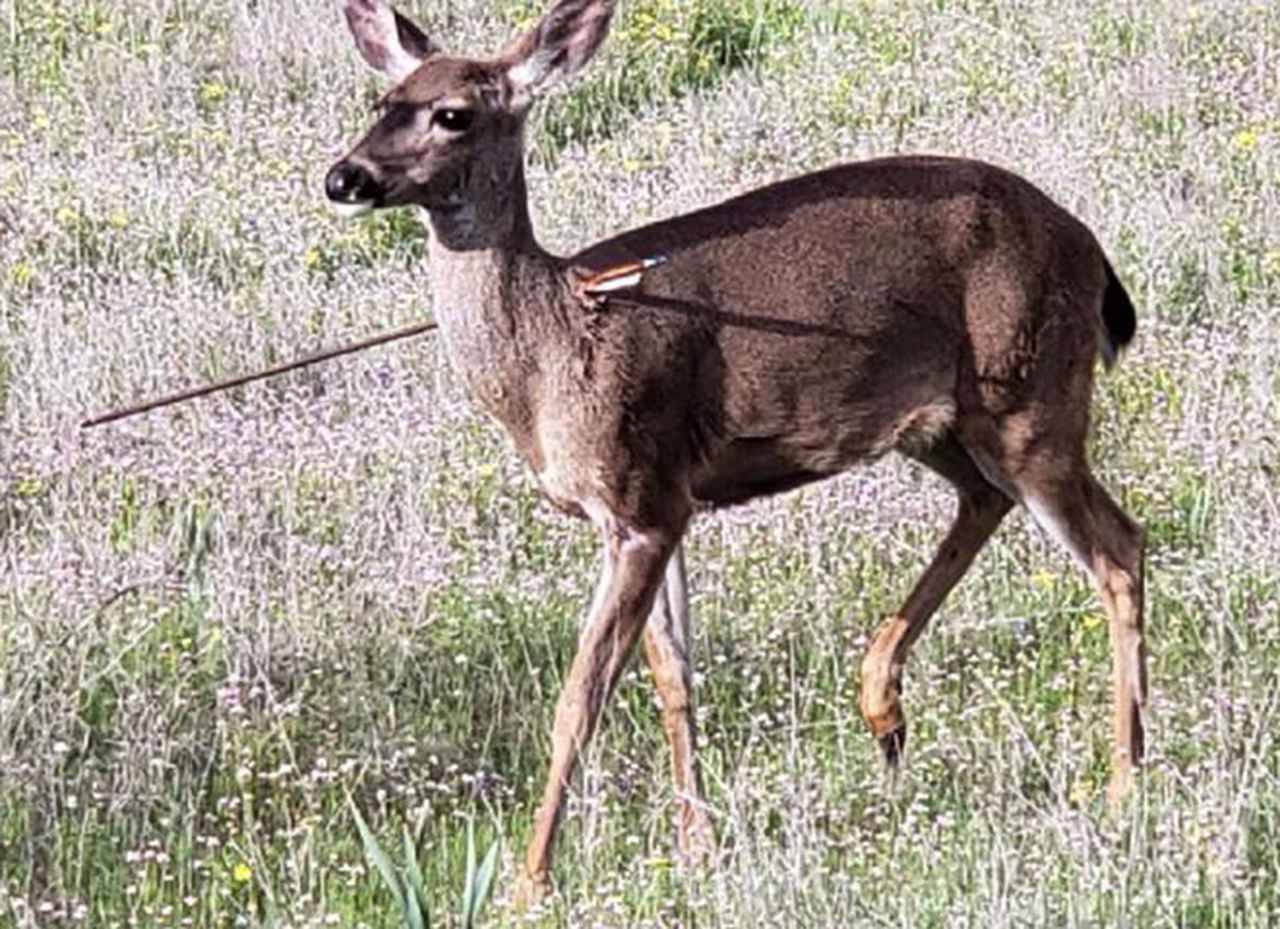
x: 212, y: 92
x: 1246, y: 140
x: 1271, y: 261
x: 20, y: 274
x: 241, y: 873
x: 1080, y: 792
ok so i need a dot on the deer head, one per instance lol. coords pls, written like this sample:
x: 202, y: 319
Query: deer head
x: 449, y: 135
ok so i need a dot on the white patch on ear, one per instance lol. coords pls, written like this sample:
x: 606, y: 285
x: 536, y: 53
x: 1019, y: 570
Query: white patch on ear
x: 400, y: 66
x: 352, y: 209
x: 529, y: 72
x: 562, y: 42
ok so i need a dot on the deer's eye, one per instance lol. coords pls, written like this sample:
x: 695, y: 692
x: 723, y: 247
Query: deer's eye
x: 453, y: 120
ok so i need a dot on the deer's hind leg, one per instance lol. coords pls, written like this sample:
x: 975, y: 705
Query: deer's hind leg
x: 666, y: 650
x: 981, y: 508
x: 1068, y: 503
x: 1039, y: 453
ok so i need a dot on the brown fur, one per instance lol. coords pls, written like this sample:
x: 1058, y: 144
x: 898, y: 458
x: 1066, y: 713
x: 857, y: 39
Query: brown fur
x: 940, y: 307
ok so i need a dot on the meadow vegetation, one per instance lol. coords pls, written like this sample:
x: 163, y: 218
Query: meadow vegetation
x: 219, y: 622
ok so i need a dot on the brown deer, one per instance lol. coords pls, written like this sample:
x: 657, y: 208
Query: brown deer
x: 938, y: 307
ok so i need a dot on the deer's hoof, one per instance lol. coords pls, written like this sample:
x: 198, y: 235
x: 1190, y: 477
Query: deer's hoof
x: 531, y: 891
x: 881, y: 707
x: 892, y: 743
x: 1120, y: 786
x: 697, y: 843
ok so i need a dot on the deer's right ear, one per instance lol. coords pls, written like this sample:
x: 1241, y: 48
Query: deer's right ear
x: 386, y: 40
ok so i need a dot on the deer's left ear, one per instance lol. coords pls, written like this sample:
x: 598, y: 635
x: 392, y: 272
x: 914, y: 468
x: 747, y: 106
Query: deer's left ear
x: 558, y: 46
x: 389, y: 42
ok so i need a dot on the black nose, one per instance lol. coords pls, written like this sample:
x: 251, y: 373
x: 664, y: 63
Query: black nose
x: 349, y: 183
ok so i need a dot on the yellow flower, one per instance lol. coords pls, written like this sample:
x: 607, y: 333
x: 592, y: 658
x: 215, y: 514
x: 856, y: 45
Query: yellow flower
x: 20, y: 274
x: 1080, y: 793
x: 241, y: 873
x: 1271, y: 261
x: 118, y: 219
x: 1042, y: 580
x: 212, y: 92
x: 311, y: 257
x: 1246, y: 140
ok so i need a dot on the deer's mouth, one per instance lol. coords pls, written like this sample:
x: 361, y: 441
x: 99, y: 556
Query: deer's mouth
x: 350, y: 209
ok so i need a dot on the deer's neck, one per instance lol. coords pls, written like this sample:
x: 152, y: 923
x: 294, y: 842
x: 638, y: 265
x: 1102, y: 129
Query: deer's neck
x: 502, y: 292
x: 499, y: 298
x: 484, y: 257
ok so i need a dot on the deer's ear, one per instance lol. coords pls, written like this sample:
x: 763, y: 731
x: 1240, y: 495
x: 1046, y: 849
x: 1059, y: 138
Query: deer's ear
x: 559, y: 45
x: 386, y: 40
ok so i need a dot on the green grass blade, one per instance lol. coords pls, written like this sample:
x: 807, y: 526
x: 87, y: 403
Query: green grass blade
x: 380, y: 860
x: 479, y: 880
x: 468, y: 887
x: 484, y: 877
x: 415, y: 886
x: 413, y: 915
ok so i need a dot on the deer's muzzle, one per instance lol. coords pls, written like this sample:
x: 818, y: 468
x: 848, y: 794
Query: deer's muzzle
x: 351, y: 188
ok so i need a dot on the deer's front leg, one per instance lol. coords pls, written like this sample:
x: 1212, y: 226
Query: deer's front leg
x: 634, y: 565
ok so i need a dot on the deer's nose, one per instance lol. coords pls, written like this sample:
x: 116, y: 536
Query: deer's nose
x: 347, y: 182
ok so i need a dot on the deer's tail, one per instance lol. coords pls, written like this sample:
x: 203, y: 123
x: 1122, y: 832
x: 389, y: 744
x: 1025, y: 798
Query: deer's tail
x: 1118, y: 317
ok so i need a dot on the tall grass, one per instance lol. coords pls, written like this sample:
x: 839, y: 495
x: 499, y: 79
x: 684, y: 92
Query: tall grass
x: 219, y: 621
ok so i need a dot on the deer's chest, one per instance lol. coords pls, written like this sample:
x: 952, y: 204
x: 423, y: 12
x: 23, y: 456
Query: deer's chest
x: 496, y: 376
x: 559, y: 410
x: 568, y: 462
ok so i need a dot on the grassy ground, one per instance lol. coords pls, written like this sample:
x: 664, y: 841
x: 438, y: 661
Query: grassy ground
x: 217, y: 622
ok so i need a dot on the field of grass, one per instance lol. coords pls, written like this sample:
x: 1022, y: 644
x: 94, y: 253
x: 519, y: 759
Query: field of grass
x: 218, y: 622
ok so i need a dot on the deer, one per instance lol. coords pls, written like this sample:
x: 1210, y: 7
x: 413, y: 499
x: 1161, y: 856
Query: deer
x: 938, y: 307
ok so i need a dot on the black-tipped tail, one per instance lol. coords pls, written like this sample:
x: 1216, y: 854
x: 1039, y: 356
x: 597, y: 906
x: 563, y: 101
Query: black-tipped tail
x: 1117, y: 315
